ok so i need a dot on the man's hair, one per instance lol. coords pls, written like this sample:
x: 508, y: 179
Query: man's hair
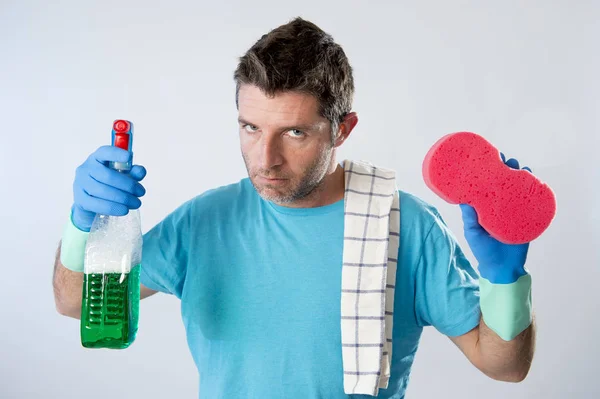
x: 299, y: 56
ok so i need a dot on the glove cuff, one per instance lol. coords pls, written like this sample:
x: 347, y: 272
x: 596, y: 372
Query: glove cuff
x: 72, y: 250
x: 506, y: 308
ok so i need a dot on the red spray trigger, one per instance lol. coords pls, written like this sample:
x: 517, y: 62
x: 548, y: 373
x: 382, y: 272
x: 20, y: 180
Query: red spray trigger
x: 121, y: 128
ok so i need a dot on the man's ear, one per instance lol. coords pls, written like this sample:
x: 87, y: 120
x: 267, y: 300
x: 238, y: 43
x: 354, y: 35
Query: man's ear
x: 346, y: 127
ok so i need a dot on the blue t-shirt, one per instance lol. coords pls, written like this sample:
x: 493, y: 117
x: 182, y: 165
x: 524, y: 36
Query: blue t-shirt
x: 260, y: 291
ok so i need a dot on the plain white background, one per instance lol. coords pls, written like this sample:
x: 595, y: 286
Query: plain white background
x: 523, y: 74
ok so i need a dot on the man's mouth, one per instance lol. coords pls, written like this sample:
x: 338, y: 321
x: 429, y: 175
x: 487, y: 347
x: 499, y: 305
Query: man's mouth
x: 271, y: 179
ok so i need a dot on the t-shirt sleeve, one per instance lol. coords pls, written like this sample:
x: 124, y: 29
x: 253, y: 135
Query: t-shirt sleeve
x: 447, y: 286
x: 165, y: 252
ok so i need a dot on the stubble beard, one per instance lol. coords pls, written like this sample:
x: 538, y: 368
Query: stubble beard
x: 309, y: 183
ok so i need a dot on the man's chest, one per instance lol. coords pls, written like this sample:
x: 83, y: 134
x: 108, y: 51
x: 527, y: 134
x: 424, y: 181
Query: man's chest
x: 270, y: 281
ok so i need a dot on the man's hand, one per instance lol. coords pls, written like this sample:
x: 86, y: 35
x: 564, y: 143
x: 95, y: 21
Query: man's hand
x: 498, y: 262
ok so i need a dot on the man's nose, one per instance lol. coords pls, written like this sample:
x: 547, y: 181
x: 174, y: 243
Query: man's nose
x: 271, y: 155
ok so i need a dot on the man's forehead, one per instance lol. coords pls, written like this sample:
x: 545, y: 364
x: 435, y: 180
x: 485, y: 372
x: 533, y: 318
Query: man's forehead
x: 291, y: 107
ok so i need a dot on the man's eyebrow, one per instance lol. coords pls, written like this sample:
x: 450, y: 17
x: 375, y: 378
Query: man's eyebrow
x: 301, y: 127
x: 244, y: 122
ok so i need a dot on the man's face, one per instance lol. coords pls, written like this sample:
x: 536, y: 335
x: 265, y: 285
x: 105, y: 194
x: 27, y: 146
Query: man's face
x: 285, y: 143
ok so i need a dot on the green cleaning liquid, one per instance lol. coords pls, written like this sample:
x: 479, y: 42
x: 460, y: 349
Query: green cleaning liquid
x: 110, y: 309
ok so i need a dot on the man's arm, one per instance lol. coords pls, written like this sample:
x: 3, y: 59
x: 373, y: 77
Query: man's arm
x: 501, y: 360
x: 68, y: 287
x: 502, y: 349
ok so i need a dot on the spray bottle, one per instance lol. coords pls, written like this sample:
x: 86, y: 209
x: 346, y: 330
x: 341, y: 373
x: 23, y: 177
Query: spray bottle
x: 111, y: 283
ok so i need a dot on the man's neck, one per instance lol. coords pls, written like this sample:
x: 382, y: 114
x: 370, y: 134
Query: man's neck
x: 332, y: 188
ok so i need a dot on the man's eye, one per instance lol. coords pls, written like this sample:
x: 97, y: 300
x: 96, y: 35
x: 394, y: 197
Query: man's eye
x: 250, y: 128
x: 296, y: 133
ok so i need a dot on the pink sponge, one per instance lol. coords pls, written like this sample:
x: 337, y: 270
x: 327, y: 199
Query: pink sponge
x: 512, y: 205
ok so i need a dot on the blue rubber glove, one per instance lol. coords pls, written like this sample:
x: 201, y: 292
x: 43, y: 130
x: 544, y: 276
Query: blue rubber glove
x: 498, y: 262
x: 100, y: 189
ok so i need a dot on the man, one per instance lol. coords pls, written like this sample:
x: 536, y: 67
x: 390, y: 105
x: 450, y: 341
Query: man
x: 257, y: 264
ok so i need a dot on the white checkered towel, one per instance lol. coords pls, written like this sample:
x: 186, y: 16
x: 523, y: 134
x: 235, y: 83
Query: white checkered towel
x: 371, y: 240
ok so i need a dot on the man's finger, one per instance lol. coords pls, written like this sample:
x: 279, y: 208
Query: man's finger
x: 138, y: 172
x: 110, y: 153
x: 513, y: 163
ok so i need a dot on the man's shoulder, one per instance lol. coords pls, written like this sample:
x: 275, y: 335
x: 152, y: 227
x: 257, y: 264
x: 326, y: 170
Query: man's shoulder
x: 419, y: 218
x: 422, y: 221
x: 223, y: 197
x: 230, y: 191
x: 215, y: 203
x: 416, y: 208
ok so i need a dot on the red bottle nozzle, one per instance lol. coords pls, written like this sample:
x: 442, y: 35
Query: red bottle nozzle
x: 121, y: 128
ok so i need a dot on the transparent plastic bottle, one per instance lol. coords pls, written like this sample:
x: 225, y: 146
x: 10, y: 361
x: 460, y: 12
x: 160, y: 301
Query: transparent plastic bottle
x: 111, y: 283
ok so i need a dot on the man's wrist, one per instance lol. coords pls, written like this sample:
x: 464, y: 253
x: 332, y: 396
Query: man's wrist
x: 72, y: 252
x: 506, y: 308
